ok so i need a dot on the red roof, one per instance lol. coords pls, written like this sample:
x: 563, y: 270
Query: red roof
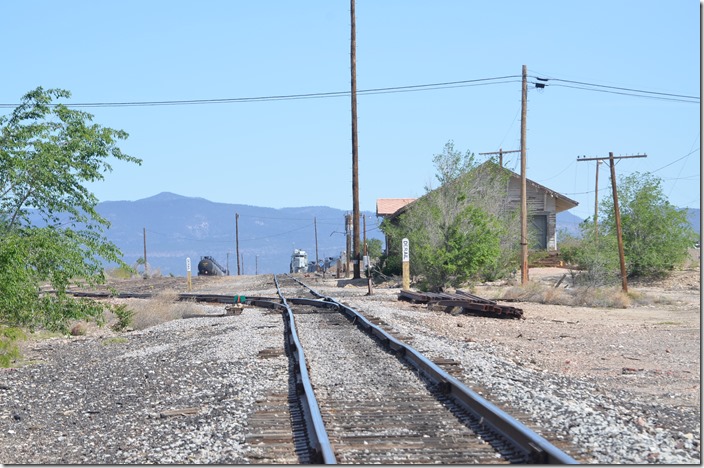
x: 389, y: 206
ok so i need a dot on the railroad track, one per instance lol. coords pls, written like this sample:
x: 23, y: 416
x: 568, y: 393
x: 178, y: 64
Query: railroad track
x: 370, y: 398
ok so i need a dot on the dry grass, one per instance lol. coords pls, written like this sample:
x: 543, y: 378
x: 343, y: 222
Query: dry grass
x: 611, y: 297
x: 161, y: 308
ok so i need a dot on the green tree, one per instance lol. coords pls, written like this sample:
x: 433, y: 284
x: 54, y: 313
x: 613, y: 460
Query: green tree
x: 459, y: 230
x: 48, y: 152
x: 656, y: 235
x: 374, y: 248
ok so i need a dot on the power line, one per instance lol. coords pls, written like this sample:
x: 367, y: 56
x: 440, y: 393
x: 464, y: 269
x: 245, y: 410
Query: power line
x: 628, y: 94
x: 641, y: 91
x: 289, y: 97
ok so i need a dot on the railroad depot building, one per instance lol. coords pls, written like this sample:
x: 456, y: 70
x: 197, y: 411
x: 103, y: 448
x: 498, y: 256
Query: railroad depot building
x: 543, y: 205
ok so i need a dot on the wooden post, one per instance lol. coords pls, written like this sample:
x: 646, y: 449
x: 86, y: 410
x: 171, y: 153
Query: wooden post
x: 405, y: 263
x: 619, y: 232
x: 596, y: 203
x: 146, y: 272
x: 188, y: 273
x: 355, y: 145
x: 617, y: 211
x: 237, y: 241
x: 315, y: 225
x: 524, y: 204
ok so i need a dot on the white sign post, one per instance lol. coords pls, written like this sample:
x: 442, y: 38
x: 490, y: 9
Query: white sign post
x: 405, y: 263
x: 188, y: 272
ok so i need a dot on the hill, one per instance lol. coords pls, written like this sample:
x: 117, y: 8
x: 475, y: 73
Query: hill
x: 178, y: 227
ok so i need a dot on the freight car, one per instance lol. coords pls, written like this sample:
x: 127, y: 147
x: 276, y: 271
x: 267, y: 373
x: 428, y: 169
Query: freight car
x: 209, y: 267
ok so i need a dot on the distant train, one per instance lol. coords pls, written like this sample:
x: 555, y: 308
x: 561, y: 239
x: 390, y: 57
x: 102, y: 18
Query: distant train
x: 209, y: 267
x: 299, y: 261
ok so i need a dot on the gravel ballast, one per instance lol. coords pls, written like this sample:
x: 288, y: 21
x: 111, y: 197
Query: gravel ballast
x: 624, y: 391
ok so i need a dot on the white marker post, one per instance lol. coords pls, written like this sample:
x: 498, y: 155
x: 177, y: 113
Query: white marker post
x: 188, y: 272
x: 405, y: 263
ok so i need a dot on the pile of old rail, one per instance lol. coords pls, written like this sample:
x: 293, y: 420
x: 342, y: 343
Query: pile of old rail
x: 535, y: 448
x: 464, y: 300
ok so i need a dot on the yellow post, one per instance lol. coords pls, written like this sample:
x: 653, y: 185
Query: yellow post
x: 405, y: 264
x: 188, y: 272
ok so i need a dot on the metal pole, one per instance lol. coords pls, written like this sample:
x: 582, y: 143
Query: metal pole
x: 524, y: 207
x: 355, y: 148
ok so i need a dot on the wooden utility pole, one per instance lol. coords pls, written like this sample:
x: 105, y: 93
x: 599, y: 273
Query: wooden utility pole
x: 501, y: 155
x: 524, y: 204
x: 256, y: 264
x: 315, y: 225
x: 348, y: 234
x: 617, y: 212
x: 355, y: 148
x: 144, y: 232
x: 596, y: 203
x: 237, y: 241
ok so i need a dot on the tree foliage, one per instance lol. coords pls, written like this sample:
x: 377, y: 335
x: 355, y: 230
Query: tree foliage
x: 656, y: 235
x: 48, y: 153
x: 459, y: 230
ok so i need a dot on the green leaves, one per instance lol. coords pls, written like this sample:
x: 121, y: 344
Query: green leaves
x: 656, y: 235
x: 461, y: 230
x: 48, y: 152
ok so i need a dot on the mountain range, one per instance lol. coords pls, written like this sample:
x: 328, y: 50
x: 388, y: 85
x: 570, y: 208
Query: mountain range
x: 175, y: 227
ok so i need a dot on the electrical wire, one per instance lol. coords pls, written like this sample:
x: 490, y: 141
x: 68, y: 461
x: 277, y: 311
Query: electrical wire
x: 288, y: 97
x: 640, y: 91
x: 626, y: 94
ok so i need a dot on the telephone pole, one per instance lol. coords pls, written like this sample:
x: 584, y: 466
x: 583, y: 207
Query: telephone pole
x: 237, y: 241
x: 617, y: 211
x: 348, y: 235
x: 315, y: 225
x: 501, y: 155
x: 524, y: 206
x: 146, y: 272
x: 355, y: 148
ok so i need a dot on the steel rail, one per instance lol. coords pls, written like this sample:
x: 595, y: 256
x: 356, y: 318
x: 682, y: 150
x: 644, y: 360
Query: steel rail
x: 317, y: 435
x: 535, y: 448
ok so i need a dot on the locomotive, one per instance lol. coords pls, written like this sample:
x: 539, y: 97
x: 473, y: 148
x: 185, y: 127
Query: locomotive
x: 209, y: 267
x: 299, y: 261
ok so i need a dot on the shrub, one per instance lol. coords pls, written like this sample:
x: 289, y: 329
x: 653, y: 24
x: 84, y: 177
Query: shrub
x: 9, y: 351
x: 124, y: 317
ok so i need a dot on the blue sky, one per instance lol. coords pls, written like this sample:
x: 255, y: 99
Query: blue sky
x: 290, y: 153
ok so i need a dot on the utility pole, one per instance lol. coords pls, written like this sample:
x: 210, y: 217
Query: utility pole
x: 144, y: 232
x: 617, y: 211
x: 348, y: 235
x: 237, y: 241
x: 501, y: 155
x: 524, y: 205
x: 355, y: 148
x: 256, y: 264
x: 596, y: 203
x: 315, y: 225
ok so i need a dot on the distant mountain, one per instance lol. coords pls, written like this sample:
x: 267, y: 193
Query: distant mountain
x: 570, y: 223
x: 694, y: 218
x: 178, y: 227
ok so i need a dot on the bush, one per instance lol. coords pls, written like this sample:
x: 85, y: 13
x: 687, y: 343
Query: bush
x: 9, y: 351
x: 124, y: 317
